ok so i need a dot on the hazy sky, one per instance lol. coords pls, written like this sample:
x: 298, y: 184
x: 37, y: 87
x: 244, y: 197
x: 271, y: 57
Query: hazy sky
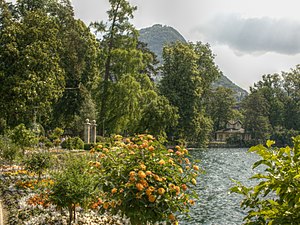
x: 249, y: 37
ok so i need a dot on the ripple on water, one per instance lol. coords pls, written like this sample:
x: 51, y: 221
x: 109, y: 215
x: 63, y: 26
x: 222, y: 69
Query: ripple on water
x: 216, y: 205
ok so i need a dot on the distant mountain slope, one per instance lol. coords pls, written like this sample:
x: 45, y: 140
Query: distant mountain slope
x: 224, y: 81
x: 158, y: 35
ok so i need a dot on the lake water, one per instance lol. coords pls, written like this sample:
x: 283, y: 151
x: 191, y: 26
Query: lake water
x: 216, y: 205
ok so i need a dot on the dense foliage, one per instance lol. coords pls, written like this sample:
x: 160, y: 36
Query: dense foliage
x: 278, y: 115
x: 275, y: 198
x: 188, y: 72
x: 142, y: 179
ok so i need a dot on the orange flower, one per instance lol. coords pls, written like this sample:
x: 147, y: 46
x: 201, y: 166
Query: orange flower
x: 132, y: 179
x: 171, y: 217
x: 151, y: 198
x: 151, y: 148
x: 144, y: 183
x: 187, y: 161
x: 106, y: 205
x: 148, y: 173
x: 162, y: 162
x: 192, y: 202
x: 145, y: 144
x: 184, y: 187
x: 170, y: 150
x: 161, y: 191
x: 178, y: 153
x: 132, y: 173
x: 141, y: 174
x: 177, y: 189
x: 139, y: 186
x: 114, y: 190
x: 195, y: 167
x: 157, y: 178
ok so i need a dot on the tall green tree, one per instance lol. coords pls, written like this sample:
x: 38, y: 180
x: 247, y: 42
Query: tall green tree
x: 220, y: 107
x: 126, y: 91
x: 271, y: 88
x: 256, y: 111
x: 292, y: 102
x: 184, y: 82
x: 118, y: 44
x: 31, y: 76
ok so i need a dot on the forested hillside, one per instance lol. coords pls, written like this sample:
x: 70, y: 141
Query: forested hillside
x: 158, y: 35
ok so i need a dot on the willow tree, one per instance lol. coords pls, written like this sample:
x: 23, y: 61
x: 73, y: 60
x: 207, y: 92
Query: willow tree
x: 126, y: 90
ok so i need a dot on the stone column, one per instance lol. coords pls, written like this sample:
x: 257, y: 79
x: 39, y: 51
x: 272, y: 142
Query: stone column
x: 93, y: 131
x: 87, y: 127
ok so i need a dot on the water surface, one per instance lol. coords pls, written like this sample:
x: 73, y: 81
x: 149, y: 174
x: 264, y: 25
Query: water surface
x: 216, y: 205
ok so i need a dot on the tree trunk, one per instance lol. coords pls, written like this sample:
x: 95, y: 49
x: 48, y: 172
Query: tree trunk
x: 70, y: 214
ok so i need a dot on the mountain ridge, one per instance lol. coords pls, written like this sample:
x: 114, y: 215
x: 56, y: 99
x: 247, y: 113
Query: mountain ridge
x: 159, y: 35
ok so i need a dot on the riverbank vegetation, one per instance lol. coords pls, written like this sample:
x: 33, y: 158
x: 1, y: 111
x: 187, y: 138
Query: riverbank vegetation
x: 275, y: 198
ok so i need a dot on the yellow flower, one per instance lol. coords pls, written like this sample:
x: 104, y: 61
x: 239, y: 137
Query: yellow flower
x: 157, y: 178
x: 150, y: 190
x: 194, y: 181
x: 143, y: 167
x: 171, y: 186
x: 161, y: 191
x: 141, y: 174
x: 151, y: 198
x: 149, y: 136
x: 170, y: 150
x: 180, y: 170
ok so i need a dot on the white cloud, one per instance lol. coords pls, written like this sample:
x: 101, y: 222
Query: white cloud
x: 254, y: 35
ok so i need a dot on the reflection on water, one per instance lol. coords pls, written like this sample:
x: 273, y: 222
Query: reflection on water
x: 216, y: 205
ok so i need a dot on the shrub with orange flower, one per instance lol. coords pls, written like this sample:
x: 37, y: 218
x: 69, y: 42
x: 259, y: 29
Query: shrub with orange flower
x: 151, y: 195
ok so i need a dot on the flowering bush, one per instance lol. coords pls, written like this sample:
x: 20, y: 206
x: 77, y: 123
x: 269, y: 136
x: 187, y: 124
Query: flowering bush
x: 144, y: 180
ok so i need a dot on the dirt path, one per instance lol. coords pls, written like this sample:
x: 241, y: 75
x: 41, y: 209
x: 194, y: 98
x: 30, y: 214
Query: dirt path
x: 2, y: 214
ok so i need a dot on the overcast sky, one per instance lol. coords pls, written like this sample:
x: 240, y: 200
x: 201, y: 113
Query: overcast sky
x: 249, y: 37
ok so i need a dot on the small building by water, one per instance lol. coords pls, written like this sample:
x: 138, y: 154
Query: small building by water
x: 233, y: 129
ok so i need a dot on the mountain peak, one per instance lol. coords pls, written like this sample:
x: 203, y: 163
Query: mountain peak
x: 159, y: 35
